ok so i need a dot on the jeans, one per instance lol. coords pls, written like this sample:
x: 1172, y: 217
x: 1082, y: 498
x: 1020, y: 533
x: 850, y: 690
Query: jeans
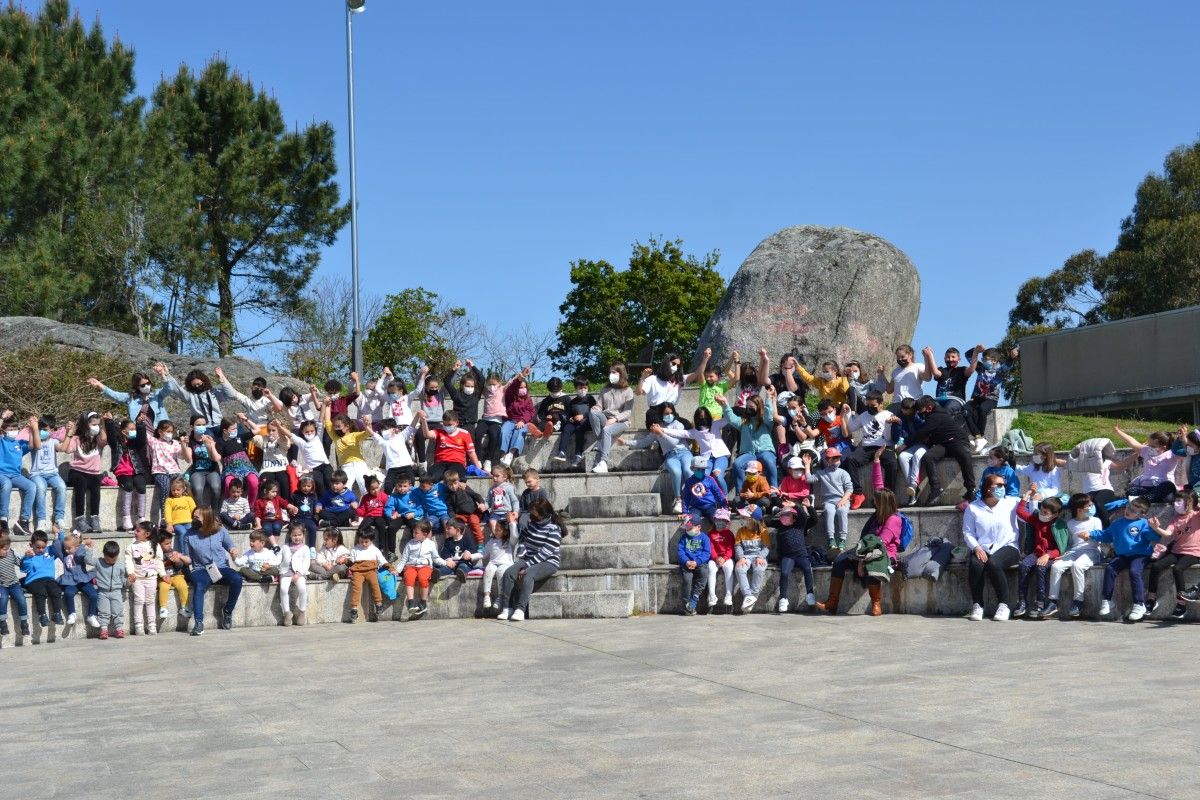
x: 573, y: 430
x: 26, y: 487
x: 787, y: 564
x: 1135, y: 565
x: 694, y: 581
x: 180, y: 533
x: 717, y: 467
x: 89, y: 591
x: 713, y: 569
x: 769, y: 468
x: 992, y: 571
x: 516, y: 588
x: 17, y: 594
x: 232, y: 524
x: 751, y: 577
x: 512, y: 438
x: 837, y: 518
x: 1079, y: 563
x: 678, y: 462
x: 1029, y: 564
x: 910, y: 464
x: 200, y: 583
x: 605, y: 432
x: 206, y: 488
x: 41, y: 484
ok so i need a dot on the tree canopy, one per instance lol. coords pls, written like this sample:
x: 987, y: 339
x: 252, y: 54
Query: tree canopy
x: 659, y: 304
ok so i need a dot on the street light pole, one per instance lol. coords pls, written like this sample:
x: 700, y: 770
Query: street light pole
x: 353, y: 7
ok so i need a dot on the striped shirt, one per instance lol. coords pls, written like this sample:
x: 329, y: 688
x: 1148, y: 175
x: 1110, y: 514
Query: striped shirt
x: 8, y: 568
x: 540, y: 542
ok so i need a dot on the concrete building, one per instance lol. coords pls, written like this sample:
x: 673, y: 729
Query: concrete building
x: 1143, y: 364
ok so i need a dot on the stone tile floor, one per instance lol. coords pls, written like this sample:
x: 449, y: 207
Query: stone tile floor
x: 758, y: 707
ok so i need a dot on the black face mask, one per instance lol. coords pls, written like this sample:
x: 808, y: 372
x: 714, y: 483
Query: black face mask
x: 431, y: 392
x: 256, y: 393
x: 197, y: 388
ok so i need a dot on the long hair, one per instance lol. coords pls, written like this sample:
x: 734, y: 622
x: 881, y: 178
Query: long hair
x: 664, y: 369
x: 197, y: 375
x: 83, y: 430
x: 542, y: 510
x: 1046, y: 451
x: 136, y: 381
x: 759, y: 408
x: 623, y: 379
x: 206, y: 521
x: 885, y: 506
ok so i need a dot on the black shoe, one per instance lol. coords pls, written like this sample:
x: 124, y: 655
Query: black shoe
x: 3, y: 627
x: 1192, y: 595
x: 353, y: 615
x: 227, y: 621
x: 198, y: 629
x: 22, y: 528
x: 1151, y: 605
x: 58, y: 618
x: 43, y: 620
x: 934, y: 498
x: 1179, y: 612
x: 1020, y: 610
x: 416, y: 610
x: 24, y: 627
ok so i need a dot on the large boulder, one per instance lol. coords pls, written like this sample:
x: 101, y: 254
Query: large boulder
x: 818, y: 293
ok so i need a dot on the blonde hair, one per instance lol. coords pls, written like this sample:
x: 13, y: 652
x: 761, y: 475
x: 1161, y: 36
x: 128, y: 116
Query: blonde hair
x: 753, y: 529
x: 187, y: 489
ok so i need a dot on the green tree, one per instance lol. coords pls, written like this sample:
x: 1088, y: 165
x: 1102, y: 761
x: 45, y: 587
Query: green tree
x: 660, y: 304
x: 415, y: 328
x: 265, y: 199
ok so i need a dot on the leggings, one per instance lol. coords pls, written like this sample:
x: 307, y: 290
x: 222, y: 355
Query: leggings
x: 493, y: 571
x: 206, y: 488
x: 1158, y: 493
x: 487, y: 440
x: 250, y: 481
x: 713, y: 569
x: 145, y: 592
x: 787, y: 564
x: 992, y: 571
x: 1100, y: 499
x: 179, y: 583
x: 132, y: 500
x: 285, y: 593
x: 1135, y: 565
x: 322, y: 475
x: 162, y: 488
x: 837, y: 518
x: 84, y: 486
x: 1178, y: 565
x: 44, y: 588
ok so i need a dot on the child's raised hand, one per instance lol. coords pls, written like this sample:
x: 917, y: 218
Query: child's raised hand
x: 107, y: 415
x: 387, y: 371
x: 88, y: 543
x: 424, y: 369
x: 220, y: 373
x: 762, y: 352
x: 94, y: 383
x: 879, y: 369
x: 647, y: 372
x: 708, y: 352
x: 927, y: 351
x: 845, y: 409
x: 28, y: 551
x: 457, y: 365
x: 470, y: 364
x: 720, y: 398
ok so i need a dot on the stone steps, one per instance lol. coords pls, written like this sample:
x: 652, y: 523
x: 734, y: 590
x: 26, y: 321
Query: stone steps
x: 641, y: 504
x: 607, y: 555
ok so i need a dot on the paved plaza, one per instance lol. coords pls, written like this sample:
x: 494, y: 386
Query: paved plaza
x: 748, y: 707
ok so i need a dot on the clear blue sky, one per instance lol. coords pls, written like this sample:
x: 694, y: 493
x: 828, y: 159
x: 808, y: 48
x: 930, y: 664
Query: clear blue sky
x: 499, y: 141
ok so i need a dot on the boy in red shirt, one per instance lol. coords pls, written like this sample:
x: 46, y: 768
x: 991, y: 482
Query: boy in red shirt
x: 1045, y: 549
x: 722, y: 559
x: 832, y: 427
x: 453, y: 446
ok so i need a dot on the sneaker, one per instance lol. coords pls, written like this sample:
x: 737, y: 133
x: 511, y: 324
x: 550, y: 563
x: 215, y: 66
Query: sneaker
x: 226, y: 621
x: 841, y: 545
x: 911, y: 492
x: 3, y: 627
x: 496, y: 604
x: 104, y: 634
x: 58, y: 618
x: 1020, y: 610
x: 487, y: 466
x: 981, y: 444
x: 1050, y: 610
x: 185, y: 612
x: 1151, y: 604
x: 23, y: 528
x: 1105, y: 608
x: 560, y: 456
x: 1137, y: 612
x: 198, y: 629
x: 43, y: 620
x: 677, y: 506
x: 856, y: 500
x: 1076, y: 609
x: 378, y: 609
x: 783, y: 605
x: 354, y: 615
x: 1036, y: 613
x: 831, y: 544
x: 748, y: 602
x: 1192, y: 595
x: 810, y: 600
x: 1002, y: 613
x: 934, y: 498
x: 120, y: 634
x: 24, y: 627
x: 487, y: 601
x: 689, y: 610
x: 576, y: 461
x: 71, y: 618
x: 94, y: 524
x: 162, y: 613
x: 976, y: 614
x: 505, y: 614
x: 517, y: 615
x: 601, y: 467
x: 506, y: 459
x: 416, y: 610
x: 1178, y: 612
x: 729, y: 599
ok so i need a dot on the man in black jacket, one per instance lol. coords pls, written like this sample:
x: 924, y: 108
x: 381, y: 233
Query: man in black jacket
x: 944, y: 435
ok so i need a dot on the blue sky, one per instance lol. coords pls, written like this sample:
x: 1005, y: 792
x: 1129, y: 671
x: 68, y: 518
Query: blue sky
x: 499, y: 141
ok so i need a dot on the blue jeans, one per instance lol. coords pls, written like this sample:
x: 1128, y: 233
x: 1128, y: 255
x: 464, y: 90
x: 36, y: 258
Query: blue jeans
x: 89, y: 590
x: 1117, y: 565
x: 41, y: 484
x: 181, y: 532
x: 512, y: 438
x: 766, y: 457
x: 721, y: 464
x: 679, y: 463
x: 22, y: 484
x: 18, y: 596
x: 200, y: 583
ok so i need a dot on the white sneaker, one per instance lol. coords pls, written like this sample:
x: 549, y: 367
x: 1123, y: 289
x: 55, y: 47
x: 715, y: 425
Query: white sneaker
x: 518, y: 615
x: 487, y: 601
x: 677, y: 506
x: 506, y: 459
x: 93, y: 620
x: 748, y: 603
x: 1002, y: 613
x: 496, y: 604
x: 71, y: 619
x: 162, y: 613
x: 185, y: 612
x: 712, y: 600
x: 976, y: 613
x: 505, y: 614
x: 981, y: 444
x: 600, y: 467
x: 729, y: 599
x: 783, y: 605
x: 1105, y: 608
x: 487, y: 467
x: 810, y: 600
x: 1137, y: 612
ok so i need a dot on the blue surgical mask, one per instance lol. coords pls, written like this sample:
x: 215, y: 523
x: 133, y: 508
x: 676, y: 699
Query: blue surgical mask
x: 998, y: 492
x: 989, y: 365
x: 699, y: 473
x: 44, y: 434
x: 668, y: 419
x: 200, y: 430
x: 1091, y: 511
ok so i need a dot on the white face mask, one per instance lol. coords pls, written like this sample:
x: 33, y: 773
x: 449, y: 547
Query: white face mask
x: 168, y: 436
x: 386, y: 434
x: 829, y: 416
x: 468, y: 390
x: 614, y: 378
x: 674, y: 368
x: 853, y: 374
x: 1036, y: 460
x: 1191, y: 451
x: 1045, y: 516
x: 827, y: 375
x: 308, y: 437
x: 12, y: 434
x: 145, y: 388
x: 94, y: 430
x: 581, y: 392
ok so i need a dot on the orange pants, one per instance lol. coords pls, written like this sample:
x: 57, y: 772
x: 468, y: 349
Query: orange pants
x: 418, y: 576
x: 364, y: 571
x: 472, y: 521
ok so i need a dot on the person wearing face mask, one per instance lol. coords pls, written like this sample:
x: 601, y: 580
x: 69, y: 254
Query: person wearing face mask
x: 488, y: 431
x: 85, y: 470
x: 164, y: 451
x: 467, y: 394
x: 196, y: 392
x: 1181, y: 553
x: 1092, y: 460
x: 677, y: 456
x: 577, y: 421
x: 43, y: 471
x: 612, y: 417
x: 757, y: 437
x: 432, y: 407
x: 1156, y: 482
x: 830, y: 383
x: 1080, y: 555
x: 943, y: 435
x: 260, y: 404
x: 1002, y: 462
x: 990, y: 374
x: 787, y: 380
x: 860, y: 384
x: 875, y: 424
x: 1187, y: 445
x: 706, y: 434
x: 300, y: 407
x: 990, y: 532
x: 141, y: 394
x: 1043, y: 471
x: 12, y: 450
x: 131, y: 468
x: 1046, y: 540
x: 1132, y: 542
x: 519, y: 413
x: 833, y: 428
x: 908, y: 375
x: 347, y: 447
x: 232, y: 440
x: 201, y: 451
x: 551, y: 410
x: 397, y: 460
x: 663, y: 385
x: 313, y: 458
x: 453, y: 446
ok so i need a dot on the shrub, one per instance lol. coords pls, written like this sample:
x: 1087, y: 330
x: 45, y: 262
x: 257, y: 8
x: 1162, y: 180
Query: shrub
x: 48, y: 379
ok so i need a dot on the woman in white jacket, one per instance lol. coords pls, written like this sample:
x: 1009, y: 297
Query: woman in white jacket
x: 293, y: 569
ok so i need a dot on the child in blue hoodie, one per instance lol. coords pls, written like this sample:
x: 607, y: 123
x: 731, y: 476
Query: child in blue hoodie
x: 432, y: 497
x: 1002, y: 462
x: 38, y: 566
x: 1133, y: 542
x: 694, y: 550
x: 702, y: 493
x: 75, y: 578
x: 401, y: 511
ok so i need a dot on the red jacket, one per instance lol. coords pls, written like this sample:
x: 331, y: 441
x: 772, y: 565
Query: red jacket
x: 519, y: 409
x: 273, y: 510
x: 1043, y: 532
x: 722, y: 543
x: 371, y: 505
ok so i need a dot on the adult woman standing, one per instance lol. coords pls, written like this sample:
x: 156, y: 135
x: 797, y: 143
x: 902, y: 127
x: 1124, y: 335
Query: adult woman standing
x: 541, y: 541
x: 612, y: 417
x: 872, y: 559
x: 990, y: 530
x: 208, y: 549
x: 141, y: 397
x: 205, y: 459
x: 662, y: 385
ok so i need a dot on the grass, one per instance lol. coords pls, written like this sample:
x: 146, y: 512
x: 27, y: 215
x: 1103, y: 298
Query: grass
x: 1065, y: 431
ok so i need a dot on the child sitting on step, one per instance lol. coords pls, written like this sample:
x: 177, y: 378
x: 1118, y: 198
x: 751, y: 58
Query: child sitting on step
x: 751, y: 548
x: 1156, y: 483
x: 503, y: 503
x: 416, y: 564
x: 702, y: 493
x: 457, y: 552
x: 1133, y: 542
x: 834, y: 489
x: 1081, y: 554
x: 1043, y: 547
x: 755, y: 492
x: 498, y: 556
x: 293, y: 570
x: 333, y: 559
x: 721, y: 540
x: 10, y: 587
x: 1002, y: 462
x: 175, y: 570
x: 793, y: 552
x: 693, y: 552
x: 260, y: 563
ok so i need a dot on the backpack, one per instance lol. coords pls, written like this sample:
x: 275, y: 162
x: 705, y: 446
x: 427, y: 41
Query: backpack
x: 387, y: 583
x: 1017, y: 441
x: 906, y: 533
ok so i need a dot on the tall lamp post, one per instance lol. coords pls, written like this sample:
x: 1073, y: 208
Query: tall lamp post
x: 353, y: 7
